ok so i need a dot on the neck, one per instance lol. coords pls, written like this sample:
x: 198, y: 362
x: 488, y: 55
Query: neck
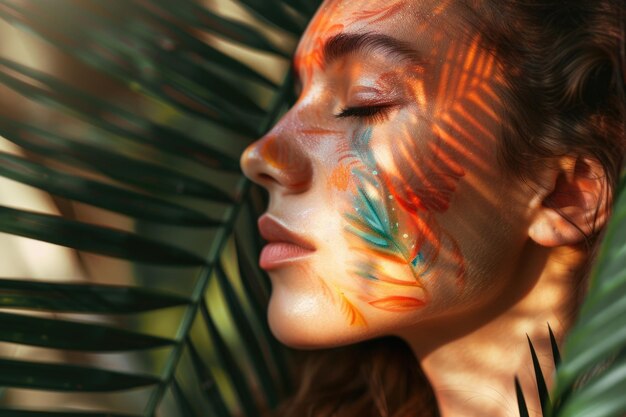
x: 473, y: 364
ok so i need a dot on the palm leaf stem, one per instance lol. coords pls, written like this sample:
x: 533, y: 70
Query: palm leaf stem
x: 220, y: 241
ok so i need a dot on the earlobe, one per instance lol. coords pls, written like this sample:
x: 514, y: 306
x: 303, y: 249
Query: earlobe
x: 574, y: 204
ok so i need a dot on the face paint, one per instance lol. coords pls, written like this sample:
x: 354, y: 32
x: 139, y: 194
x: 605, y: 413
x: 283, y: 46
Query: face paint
x: 379, y: 14
x: 323, y: 27
x: 416, y: 187
x: 387, y: 165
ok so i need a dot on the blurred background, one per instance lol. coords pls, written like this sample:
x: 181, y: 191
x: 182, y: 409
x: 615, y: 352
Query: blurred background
x: 128, y: 242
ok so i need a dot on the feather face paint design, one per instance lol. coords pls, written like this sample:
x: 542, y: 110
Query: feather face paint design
x: 396, y: 196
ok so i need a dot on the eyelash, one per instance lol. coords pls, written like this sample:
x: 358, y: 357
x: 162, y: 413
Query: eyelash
x: 370, y: 114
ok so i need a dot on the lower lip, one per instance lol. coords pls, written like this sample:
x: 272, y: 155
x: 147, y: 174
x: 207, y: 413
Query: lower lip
x: 278, y: 253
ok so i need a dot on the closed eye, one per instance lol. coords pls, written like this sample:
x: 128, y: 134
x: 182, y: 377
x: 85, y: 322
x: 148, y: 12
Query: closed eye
x: 372, y: 113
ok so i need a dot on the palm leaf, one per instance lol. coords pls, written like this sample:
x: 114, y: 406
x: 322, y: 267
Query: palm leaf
x: 591, y: 379
x: 171, y: 170
x: 187, y: 325
x: 521, y: 400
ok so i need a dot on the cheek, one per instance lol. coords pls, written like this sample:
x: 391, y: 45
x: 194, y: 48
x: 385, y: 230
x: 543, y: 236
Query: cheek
x: 418, y: 166
x: 390, y: 203
x: 339, y: 178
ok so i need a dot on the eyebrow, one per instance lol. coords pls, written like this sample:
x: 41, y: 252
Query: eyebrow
x: 345, y: 44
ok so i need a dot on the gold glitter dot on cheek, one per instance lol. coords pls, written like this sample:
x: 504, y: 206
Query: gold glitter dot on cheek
x: 405, y: 235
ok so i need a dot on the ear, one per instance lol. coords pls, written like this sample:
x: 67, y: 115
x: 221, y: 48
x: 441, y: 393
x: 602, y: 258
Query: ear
x: 573, y: 202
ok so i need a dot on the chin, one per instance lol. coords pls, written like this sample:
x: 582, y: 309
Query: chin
x: 305, y: 325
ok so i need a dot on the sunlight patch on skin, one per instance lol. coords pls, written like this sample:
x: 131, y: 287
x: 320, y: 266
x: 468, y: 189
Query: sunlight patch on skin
x: 472, y: 149
x: 442, y: 7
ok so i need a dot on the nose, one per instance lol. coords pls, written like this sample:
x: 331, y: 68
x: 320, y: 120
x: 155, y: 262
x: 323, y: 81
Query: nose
x: 279, y: 163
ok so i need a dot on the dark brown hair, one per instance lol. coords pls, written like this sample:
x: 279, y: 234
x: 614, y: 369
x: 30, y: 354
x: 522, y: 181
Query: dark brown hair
x: 564, y: 68
x: 564, y: 63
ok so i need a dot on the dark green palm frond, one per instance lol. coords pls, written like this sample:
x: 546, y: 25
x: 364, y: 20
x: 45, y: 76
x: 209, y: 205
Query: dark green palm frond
x: 184, y: 332
x: 591, y: 380
x: 591, y: 376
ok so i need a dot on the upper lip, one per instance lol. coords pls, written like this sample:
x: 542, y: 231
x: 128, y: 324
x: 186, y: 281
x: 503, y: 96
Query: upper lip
x: 272, y: 231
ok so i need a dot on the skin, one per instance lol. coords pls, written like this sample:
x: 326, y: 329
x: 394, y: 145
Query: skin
x: 388, y: 165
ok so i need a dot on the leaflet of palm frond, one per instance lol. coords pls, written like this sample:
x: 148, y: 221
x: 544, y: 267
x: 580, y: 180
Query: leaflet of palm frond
x: 254, y: 282
x: 521, y: 400
x: 63, y: 334
x: 601, y: 395
x: 65, y: 37
x: 197, y: 302
x: 13, y: 412
x: 90, y: 238
x: 184, y: 405
x: 100, y: 194
x: 146, y: 80
x: 255, y: 347
x: 306, y: 7
x: 254, y: 207
x: 542, y: 388
x: 211, y: 86
x: 556, y: 356
x: 200, y: 17
x: 192, y: 99
x: 178, y: 75
x: 274, y: 12
x: 256, y: 287
x: 230, y: 365
x: 591, y: 379
x: 71, y: 297
x: 276, y: 352
x: 600, y: 332
x: 60, y: 377
x: 207, y: 383
x: 128, y: 171
x: 114, y: 119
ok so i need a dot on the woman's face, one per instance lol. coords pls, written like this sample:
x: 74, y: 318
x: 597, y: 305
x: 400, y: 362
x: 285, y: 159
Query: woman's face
x: 388, y: 208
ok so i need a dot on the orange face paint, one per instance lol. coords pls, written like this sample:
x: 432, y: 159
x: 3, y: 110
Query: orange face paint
x: 397, y: 303
x: 340, y: 178
x: 377, y: 15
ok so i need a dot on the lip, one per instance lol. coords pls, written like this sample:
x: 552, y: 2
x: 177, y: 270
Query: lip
x: 283, y: 245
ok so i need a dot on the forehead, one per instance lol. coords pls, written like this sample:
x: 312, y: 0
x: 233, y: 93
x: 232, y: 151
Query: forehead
x: 418, y: 23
